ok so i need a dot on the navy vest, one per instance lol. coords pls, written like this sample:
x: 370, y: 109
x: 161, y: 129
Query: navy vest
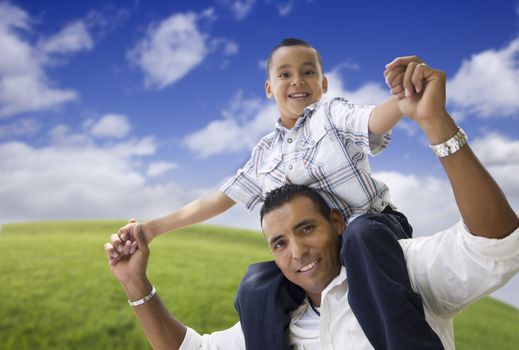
x: 258, y: 303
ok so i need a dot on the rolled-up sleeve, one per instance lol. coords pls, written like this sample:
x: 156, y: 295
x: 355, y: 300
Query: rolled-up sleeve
x: 352, y: 122
x: 454, y: 268
x: 243, y: 187
x: 228, y: 339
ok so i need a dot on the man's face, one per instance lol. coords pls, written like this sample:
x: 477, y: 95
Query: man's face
x: 295, y: 81
x: 305, y: 244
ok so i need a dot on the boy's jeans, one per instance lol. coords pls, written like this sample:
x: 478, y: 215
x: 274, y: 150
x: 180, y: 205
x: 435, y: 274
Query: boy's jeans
x: 380, y: 294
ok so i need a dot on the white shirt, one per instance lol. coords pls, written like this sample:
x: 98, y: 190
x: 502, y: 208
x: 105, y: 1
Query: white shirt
x: 450, y: 270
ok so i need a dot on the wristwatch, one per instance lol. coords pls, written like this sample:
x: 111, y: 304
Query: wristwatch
x: 450, y: 146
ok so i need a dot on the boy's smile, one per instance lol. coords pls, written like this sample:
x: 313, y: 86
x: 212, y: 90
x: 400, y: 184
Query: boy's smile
x: 295, y: 81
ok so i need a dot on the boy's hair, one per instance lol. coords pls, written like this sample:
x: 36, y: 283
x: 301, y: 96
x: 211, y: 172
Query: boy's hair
x: 292, y: 42
x: 284, y: 194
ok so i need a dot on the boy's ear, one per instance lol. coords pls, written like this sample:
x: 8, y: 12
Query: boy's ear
x: 268, y: 89
x: 325, y: 84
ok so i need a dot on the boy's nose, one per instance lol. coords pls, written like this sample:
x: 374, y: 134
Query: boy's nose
x: 298, y: 81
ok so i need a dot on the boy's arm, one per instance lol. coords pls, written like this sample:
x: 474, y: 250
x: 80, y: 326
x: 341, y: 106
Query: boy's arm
x: 192, y: 213
x: 384, y: 117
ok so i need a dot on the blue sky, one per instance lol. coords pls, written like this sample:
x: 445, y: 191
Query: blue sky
x: 120, y: 109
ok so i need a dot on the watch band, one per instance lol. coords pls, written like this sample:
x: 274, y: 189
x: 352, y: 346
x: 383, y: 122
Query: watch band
x: 450, y: 146
x: 143, y: 299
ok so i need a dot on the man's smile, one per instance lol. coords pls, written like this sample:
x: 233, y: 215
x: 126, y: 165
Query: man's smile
x: 309, y: 267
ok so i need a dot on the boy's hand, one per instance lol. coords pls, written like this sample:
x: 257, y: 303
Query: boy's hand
x: 124, y: 242
x: 419, y: 88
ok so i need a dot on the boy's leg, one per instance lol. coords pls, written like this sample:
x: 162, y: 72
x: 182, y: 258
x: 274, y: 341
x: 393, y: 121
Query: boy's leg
x: 380, y: 295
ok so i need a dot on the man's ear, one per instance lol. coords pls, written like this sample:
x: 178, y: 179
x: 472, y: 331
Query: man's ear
x: 337, y: 221
x: 325, y: 84
x: 268, y: 89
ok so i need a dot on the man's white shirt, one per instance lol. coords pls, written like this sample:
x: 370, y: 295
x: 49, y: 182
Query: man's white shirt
x: 450, y: 270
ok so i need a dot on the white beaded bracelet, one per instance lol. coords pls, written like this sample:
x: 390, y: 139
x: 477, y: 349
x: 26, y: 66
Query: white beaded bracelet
x: 450, y: 146
x: 143, y: 299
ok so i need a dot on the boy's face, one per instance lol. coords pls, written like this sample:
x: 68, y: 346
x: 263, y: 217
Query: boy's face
x: 295, y: 81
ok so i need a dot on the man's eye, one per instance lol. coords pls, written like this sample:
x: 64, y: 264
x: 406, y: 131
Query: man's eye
x: 308, y: 228
x: 279, y: 245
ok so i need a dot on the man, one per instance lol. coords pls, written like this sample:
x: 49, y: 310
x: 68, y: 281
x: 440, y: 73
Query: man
x: 449, y: 269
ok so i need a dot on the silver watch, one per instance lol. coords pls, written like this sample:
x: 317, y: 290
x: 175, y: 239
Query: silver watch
x: 450, y: 146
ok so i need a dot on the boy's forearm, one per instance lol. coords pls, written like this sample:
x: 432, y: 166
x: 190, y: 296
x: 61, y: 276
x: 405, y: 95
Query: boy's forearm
x: 195, y: 212
x: 384, y: 117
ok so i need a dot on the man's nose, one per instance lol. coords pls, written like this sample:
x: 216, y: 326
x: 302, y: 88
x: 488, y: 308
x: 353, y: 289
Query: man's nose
x: 299, y: 249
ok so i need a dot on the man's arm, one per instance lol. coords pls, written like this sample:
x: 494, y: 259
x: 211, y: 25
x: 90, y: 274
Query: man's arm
x: 482, y: 204
x: 160, y: 327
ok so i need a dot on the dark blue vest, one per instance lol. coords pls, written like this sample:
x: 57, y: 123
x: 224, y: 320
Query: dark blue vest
x: 257, y: 300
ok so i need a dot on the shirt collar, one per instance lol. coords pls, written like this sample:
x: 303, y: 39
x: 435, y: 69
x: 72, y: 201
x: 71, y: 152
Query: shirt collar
x: 300, y: 121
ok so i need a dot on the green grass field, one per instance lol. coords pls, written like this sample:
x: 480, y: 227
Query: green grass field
x: 56, y: 290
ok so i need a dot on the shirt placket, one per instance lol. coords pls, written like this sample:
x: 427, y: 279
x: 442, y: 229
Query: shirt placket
x: 289, y: 151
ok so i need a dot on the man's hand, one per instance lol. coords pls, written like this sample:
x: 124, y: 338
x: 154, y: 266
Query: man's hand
x: 128, y: 269
x: 124, y: 242
x: 419, y: 88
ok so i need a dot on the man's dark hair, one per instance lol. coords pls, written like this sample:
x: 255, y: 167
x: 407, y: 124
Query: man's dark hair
x: 292, y: 42
x: 284, y: 194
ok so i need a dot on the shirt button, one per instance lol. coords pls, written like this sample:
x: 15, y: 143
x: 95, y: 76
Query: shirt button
x: 289, y: 140
x: 290, y: 167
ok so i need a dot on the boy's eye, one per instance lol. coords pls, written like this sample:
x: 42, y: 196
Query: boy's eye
x: 309, y: 72
x: 283, y: 75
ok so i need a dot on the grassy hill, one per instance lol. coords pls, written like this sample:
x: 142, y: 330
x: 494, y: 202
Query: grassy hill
x: 56, y: 291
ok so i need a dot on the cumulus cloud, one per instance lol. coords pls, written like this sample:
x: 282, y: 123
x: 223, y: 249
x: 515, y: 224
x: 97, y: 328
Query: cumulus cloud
x: 240, y: 8
x: 23, y: 127
x: 246, y: 120
x: 24, y: 84
x: 170, y: 50
x: 487, y: 84
x: 285, y: 9
x: 73, y: 177
x: 110, y: 125
x: 176, y: 46
x: 72, y: 38
x: 159, y: 168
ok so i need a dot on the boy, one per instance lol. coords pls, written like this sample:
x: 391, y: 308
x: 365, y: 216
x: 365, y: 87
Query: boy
x: 323, y: 145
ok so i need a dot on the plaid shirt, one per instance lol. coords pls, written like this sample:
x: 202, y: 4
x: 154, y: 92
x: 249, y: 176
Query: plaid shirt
x: 327, y: 150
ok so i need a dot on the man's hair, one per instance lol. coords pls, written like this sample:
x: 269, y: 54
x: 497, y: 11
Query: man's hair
x: 292, y: 42
x: 284, y: 194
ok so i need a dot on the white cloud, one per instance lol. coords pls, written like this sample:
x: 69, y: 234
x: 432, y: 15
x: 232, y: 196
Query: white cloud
x: 74, y: 37
x: 487, y: 84
x: 25, y: 86
x: 23, y: 127
x: 500, y: 155
x: 240, y: 8
x: 245, y: 121
x: 170, y: 50
x: 111, y: 125
x: 73, y: 177
x: 159, y: 168
x: 285, y: 9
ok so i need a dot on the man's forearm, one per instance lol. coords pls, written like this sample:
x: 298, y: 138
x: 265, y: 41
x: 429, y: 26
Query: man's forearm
x: 162, y: 330
x: 384, y: 117
x: 482, y: 204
